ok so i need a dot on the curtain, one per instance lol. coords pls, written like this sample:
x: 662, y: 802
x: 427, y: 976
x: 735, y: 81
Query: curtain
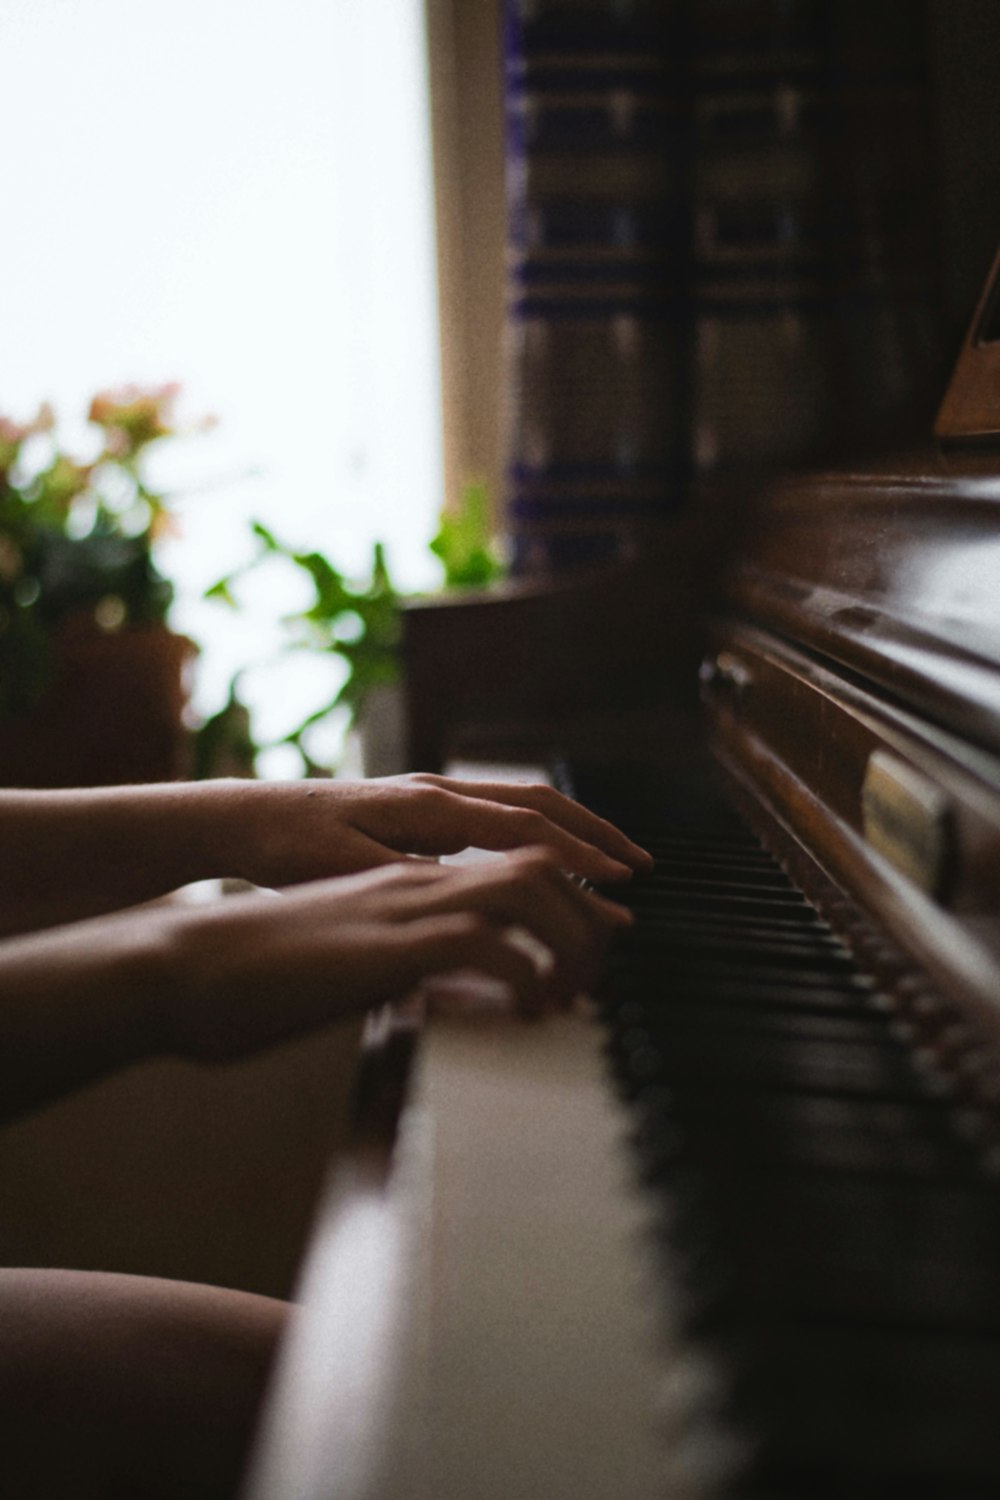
x: 722, y: 254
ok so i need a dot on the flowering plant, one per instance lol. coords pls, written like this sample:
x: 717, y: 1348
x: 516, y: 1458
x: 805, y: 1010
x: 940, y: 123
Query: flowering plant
x: 76, y: 535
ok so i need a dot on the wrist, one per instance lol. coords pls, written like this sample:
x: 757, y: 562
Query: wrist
x: 217, y: 954
x: 261, y: 832
x: 141, y: 969
x: 82, y: 1001
x: 216, y: 827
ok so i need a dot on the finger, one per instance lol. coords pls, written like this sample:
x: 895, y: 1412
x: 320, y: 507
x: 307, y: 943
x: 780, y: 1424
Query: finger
x: 473, y: 822
x: 514, y: 880
x: 559, y: 809
x: 371, y: 889
x: 600, y: 906
x: 602, y: 912
x: 455, y: 942
x: 578, y: 924
x: 530, y: 893
x: 408, y: 877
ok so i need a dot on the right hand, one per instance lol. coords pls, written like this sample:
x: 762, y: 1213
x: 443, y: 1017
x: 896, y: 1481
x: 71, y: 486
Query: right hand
x: 283, y: 833
x: 257, y: 968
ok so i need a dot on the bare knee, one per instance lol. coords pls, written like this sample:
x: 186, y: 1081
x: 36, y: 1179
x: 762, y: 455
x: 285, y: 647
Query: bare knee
x: 123, y: 1385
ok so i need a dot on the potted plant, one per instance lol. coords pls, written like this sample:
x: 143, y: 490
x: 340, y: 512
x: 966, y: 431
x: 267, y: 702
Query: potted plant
x: 91, y: 678
x: 359, y: 621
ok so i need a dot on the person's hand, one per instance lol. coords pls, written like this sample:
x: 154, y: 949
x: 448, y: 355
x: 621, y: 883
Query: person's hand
x: 254, y: 969
x: 287, y: 833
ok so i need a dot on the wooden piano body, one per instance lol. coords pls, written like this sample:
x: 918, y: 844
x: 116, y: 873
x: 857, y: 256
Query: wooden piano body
x: 513, y: 1294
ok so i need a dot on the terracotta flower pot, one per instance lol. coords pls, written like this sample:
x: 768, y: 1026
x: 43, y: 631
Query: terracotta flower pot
x: 113, y: 713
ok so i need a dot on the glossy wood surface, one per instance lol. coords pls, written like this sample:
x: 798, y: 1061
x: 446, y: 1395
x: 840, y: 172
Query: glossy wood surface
x: 799, y: 740
x: 523, y: 665
x: 859, y: 626
x: 894, y: 574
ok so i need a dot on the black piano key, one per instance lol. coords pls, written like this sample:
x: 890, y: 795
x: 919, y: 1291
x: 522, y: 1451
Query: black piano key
x: 756, y: 1010
x: 736, y: 840
x: 849, y: 1153
x: 778, y: 1063
x: 730, y: 1111
x: 704, y: 909
x: 907, y: 1414
x: 690, y: 1136
x: 711, y: 1015
x: 828, y: 1230
x: 913, y: 1252
x: 779, y: 991
x: 737, y: 1130
x: 680, y: 871
x: 684, y: 956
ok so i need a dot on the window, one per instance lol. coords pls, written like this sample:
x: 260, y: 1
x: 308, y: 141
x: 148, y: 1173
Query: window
x: 237, y: 197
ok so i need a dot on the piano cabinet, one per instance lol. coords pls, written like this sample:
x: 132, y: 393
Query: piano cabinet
x: 514, y: 668
x: 731, y: 1231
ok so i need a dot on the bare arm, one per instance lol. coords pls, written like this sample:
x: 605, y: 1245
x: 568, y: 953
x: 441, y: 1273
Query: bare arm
x: 68, y: 855
x: 220, y: 981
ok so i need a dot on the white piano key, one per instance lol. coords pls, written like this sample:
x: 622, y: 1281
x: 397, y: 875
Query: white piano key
x: 485, y: 1328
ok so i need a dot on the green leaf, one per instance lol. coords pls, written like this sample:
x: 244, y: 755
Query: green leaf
x: 333, y: 595
x: 222, y: 590
x: 381, y: 581
x: 224, y: 744
x: 463, y: 543
x: 260, y: 531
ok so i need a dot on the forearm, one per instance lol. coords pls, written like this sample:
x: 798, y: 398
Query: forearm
x: 68, y: 855
x: 80, y: 1002
x: 209, y: 981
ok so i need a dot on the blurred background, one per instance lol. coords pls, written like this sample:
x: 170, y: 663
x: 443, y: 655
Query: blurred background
x: 560, y: 267
x: 239, y: 200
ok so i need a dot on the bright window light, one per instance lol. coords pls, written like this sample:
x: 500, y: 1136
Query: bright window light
x: 237, y: 197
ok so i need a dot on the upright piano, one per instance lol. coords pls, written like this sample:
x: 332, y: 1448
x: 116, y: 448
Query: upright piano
x: 732, y: 1229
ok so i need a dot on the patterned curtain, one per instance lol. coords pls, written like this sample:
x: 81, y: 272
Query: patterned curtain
x: 722, y: 253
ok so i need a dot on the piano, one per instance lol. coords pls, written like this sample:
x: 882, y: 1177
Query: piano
x: 731, y: 1230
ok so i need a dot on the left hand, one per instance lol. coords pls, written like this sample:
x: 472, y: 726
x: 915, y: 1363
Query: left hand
x: 250, y: 971
x: 287, y: 833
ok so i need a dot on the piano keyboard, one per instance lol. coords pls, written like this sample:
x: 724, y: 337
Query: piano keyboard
x: 826, y: 1221
x: 730, y: 1238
